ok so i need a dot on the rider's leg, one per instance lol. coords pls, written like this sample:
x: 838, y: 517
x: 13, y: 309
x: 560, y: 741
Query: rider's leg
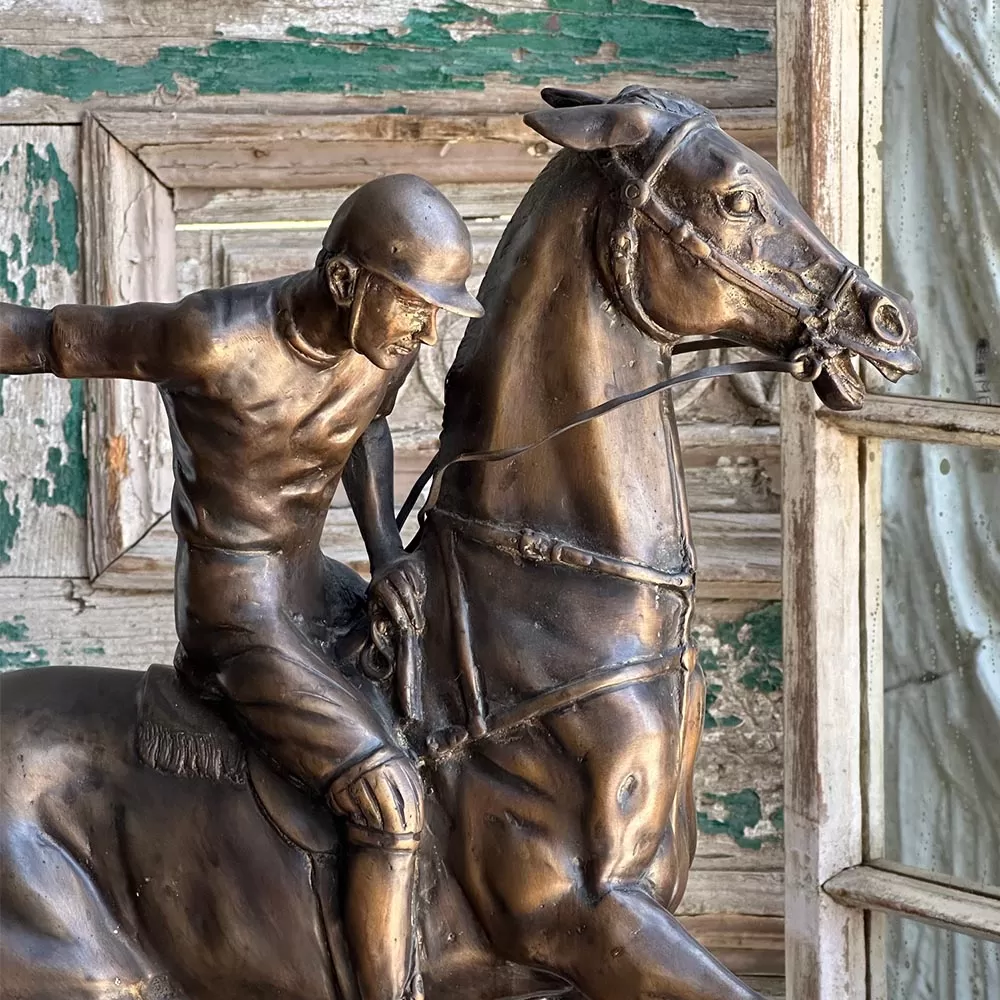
x: 311, y: 721
x: 382, y: 798
x: 379, y: 919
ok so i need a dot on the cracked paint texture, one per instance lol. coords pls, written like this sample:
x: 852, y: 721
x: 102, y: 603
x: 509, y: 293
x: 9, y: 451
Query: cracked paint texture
x: 43, y: 467
x: 738, y: 783
x: 452, y: 46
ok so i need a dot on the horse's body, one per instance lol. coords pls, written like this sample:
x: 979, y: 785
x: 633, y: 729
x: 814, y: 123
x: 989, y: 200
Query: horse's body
x: 98, y: 903
x: 561, y: 701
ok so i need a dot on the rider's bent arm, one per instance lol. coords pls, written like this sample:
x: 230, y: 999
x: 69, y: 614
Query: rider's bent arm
x: 146, y: 341
x: 368, y: 484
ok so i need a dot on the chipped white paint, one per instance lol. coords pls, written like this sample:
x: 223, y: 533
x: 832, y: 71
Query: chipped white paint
x: 41, y: 538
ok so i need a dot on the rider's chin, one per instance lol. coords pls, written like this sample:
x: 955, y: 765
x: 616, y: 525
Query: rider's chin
x: 382, y: 357
x: 838, y: 384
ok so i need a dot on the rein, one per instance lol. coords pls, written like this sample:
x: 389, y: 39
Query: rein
x: 436, y: 468
x: 638, y: 196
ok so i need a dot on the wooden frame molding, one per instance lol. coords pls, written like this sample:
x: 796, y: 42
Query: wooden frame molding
x: 197, y: 150
x: 915, y: 418
x: 128, y: 223
x: 915, y: 894
x: 819, y: 128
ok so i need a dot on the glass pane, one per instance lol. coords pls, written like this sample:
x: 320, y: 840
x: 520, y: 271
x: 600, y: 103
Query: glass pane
x: 929, y: 963
x: 941, y: 555
x: 941, y: 175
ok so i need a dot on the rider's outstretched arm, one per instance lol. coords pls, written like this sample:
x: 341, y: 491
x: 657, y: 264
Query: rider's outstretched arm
x: 148, y: 341
x: 24, y: 340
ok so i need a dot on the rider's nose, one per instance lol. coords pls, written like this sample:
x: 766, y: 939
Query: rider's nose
x: 429, y: 335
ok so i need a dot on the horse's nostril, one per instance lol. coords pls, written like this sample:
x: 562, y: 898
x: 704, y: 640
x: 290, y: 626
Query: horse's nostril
x: 887, y: 321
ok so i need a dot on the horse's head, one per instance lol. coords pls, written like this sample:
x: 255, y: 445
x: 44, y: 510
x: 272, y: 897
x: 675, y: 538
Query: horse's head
x: 705, y: 238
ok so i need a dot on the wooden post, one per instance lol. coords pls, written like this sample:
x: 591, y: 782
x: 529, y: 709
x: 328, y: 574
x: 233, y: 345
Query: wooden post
x: 819, y: 132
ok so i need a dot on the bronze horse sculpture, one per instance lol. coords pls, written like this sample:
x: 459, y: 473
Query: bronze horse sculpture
x: 556, y: 704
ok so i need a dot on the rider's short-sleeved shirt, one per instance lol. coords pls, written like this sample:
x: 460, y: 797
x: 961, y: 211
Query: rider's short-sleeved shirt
x: 261, y: 429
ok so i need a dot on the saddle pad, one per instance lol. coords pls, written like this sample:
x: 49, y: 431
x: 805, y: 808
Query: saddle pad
x: 179, y: 734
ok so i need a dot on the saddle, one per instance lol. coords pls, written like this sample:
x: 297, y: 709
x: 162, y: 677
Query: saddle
x: 178, y: 733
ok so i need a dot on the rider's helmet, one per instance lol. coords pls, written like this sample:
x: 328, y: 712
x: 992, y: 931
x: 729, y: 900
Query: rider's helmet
x: 406, y: 230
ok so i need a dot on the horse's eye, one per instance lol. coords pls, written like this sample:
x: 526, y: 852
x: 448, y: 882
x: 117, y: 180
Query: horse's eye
x: 739, y: 203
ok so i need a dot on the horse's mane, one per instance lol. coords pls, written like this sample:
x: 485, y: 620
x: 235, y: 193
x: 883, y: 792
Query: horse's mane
x: 674, y: 106
x: 562, y: 177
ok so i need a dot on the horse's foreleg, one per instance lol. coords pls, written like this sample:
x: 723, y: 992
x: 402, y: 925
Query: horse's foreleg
x: 628, y: 946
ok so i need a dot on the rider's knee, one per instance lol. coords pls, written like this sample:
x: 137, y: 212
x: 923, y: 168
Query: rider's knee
x: 382, y: 800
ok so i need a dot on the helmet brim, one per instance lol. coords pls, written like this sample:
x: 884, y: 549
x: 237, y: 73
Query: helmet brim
x: 452, y: 298
x: 461, y: 302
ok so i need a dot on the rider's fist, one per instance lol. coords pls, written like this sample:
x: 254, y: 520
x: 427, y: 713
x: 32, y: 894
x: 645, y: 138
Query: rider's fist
x: 399, y: 587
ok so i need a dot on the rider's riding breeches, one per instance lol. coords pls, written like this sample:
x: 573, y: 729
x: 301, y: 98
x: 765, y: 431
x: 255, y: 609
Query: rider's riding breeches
x: 249, y: 627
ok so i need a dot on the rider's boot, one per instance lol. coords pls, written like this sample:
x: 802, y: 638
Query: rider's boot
x: 382, y: 799
x: 379, y: 912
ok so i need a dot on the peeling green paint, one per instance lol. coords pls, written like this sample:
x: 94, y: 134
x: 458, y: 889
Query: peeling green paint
x: 93, y: 650
x: 68, y: 484
x: 14, y: 630
x: 51, y: 239
x: 33, y: 656
x: 7, y: 287
x: 453, y: 46
x: 10, y: 521
x: 741, y: 811
x: 712, y: 693
x: 52, y: 207
x: 3, y: 378
x: 15, y: 659
x: 754, y: 640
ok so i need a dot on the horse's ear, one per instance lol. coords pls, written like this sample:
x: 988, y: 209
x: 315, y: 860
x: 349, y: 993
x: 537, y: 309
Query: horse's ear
x: 558, y: 97
x: 601, y: 126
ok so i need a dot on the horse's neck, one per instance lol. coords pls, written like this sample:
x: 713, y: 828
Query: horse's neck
x: 551, y: 346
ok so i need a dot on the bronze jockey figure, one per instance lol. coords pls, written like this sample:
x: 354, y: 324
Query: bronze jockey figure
x: 275, y: 391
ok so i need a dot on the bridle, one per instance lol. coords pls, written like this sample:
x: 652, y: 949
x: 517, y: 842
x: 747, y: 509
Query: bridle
x: 637, y: 195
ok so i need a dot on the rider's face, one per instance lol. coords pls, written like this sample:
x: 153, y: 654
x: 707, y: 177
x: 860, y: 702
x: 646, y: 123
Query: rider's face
x: 392, y: 323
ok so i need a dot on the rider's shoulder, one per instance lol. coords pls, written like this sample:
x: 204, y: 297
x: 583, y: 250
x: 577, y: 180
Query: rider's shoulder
x: 216, y: 314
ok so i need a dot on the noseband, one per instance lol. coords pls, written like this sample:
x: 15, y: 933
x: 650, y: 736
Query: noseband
x: 638, y: 196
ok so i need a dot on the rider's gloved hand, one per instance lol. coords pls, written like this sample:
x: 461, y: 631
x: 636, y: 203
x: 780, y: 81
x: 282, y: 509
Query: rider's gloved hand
x: 399, y: 587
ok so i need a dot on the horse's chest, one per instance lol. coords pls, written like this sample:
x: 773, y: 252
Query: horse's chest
x: 558, y: 622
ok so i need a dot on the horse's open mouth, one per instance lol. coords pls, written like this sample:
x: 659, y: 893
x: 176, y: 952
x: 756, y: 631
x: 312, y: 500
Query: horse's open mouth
x: 838, y: 385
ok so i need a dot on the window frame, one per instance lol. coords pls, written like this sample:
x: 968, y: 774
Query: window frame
x: 837, y: 883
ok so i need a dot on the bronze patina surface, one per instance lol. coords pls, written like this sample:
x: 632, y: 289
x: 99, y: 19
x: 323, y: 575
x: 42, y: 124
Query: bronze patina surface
x: 474, y: 777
